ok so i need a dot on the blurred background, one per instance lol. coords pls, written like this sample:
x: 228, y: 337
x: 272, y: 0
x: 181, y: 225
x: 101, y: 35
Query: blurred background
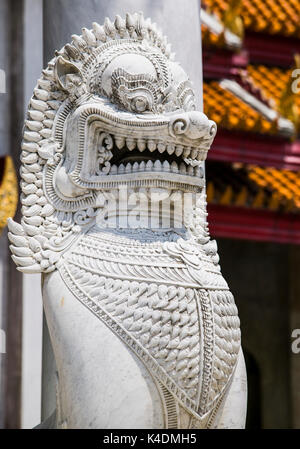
x: 251, y: 88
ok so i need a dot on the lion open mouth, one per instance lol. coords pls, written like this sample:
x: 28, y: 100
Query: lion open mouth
x: 165, y: 151
x: 133, y: 156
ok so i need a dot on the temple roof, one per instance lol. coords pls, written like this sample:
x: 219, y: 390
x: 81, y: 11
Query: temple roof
x: 275, y: 17
x: 216, y: 34
x: 255, y: 104
x: 252, y: 186
x: 253, y: 165
x: 231, y: 113
x: 272, y: 81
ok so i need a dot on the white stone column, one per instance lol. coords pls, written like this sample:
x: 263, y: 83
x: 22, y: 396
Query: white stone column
x: 32, y: 298
x: 4, y: 149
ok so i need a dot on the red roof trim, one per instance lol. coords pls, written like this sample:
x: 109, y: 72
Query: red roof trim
x: 271, y: 49
x: 233, y: 146
x: 219, y: 63
x: 250, y: 224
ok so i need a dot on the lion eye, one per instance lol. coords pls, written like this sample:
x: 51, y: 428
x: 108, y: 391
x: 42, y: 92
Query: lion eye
x: 140, y: 104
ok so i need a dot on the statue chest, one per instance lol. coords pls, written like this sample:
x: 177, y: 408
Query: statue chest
x: 180, y: 320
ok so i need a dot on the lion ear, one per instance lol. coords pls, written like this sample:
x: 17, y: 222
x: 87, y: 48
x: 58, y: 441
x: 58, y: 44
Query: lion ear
x: 62, y: 69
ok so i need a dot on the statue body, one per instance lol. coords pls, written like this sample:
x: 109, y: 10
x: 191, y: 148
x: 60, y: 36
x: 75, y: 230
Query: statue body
x: 144, y: 329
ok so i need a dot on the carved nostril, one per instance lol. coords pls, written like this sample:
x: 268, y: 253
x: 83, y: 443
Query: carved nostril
x: 193, y: 125
x: 179, y: 125
x: 213, y: 128
x: 199, y: 125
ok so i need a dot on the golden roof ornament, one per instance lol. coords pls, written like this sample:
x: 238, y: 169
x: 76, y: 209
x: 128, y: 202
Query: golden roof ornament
x: 287, y: 104
x: 8, y: 192
x: 232, y: 18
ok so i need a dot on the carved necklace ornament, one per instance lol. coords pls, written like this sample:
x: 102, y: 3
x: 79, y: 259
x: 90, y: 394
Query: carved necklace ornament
x: 113, y: 109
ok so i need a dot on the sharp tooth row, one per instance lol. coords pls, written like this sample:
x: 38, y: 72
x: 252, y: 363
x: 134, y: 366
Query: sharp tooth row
x: 186, y: 152
x: 142, y: 145
x: 179, y: 150
x: 120, y: 142
x: 161, y: 147
x: 156, y: 166
x: 130, y: 143
x: 151, y: 145
x: 194, y: 154
x: 171, y: 148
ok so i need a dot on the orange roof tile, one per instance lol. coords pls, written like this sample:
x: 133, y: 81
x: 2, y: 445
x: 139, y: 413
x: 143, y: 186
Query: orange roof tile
x: 268, y: 16
x: 211, y: 39
x: 230, y: 112
x: 272, y: 81
x: 9, y: 195
x: 253, y: 186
